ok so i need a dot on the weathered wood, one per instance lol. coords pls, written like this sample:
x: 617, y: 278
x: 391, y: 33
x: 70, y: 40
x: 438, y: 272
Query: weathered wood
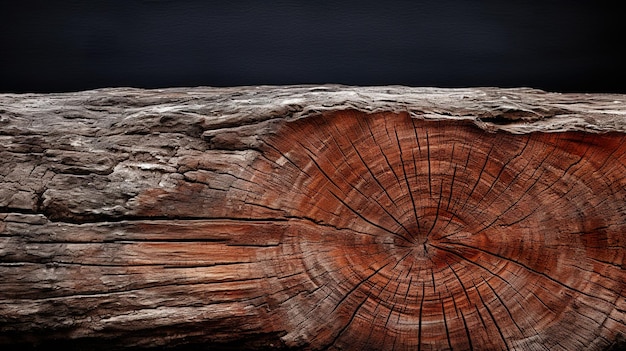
x: 313, y: 217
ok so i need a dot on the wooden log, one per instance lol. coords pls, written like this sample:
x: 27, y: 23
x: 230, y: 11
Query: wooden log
x: 313, y: 217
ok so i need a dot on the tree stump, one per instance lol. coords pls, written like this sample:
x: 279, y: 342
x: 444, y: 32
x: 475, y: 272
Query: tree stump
x: 313, y: 217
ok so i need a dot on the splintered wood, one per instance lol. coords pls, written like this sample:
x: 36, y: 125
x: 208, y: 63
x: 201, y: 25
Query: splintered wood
x: 330, y: 217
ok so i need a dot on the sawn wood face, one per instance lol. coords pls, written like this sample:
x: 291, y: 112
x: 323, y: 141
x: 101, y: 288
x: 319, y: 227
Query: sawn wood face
x: 435, y: 234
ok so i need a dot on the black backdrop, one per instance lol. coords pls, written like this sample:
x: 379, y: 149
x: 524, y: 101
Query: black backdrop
x: 74, y: 45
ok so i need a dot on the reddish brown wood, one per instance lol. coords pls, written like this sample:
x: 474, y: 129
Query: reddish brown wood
x: 341, y: 230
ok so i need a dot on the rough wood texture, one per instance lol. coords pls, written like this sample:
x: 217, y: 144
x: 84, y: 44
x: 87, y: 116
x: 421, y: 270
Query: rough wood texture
x: 314, y: 217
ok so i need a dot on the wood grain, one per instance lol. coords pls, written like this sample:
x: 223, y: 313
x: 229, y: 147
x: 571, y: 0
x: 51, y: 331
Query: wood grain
x: 332, y: 217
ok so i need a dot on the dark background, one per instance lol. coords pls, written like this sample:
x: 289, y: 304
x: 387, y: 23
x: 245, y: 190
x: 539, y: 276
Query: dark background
x: 567, y: 46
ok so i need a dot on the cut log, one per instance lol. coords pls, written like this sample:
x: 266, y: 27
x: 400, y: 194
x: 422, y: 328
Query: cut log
x: 313, y: 217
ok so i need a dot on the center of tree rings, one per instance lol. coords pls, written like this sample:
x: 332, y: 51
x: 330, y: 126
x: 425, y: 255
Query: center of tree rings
x: 429, y: 232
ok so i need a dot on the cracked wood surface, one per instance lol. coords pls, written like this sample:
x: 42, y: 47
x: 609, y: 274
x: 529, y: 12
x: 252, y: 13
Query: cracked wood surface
x: 313, y: 217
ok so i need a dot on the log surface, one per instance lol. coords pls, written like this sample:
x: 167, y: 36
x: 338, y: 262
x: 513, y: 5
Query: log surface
x: 314, y: 217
